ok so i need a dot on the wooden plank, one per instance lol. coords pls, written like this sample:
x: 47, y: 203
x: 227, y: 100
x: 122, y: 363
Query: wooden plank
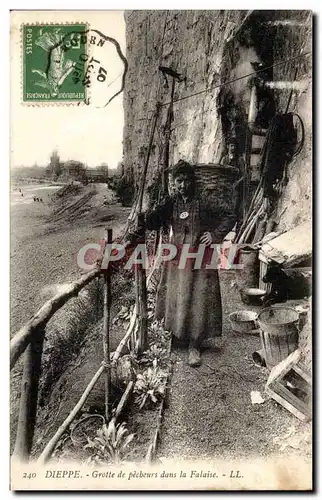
x: 141, y: 291
x: 286, y: 405
x: 106, y: 333
x: 300, y: 370
x: 283, y: 367
x: 293, y: 400
x: 289, y: 248
x: 276, y: 389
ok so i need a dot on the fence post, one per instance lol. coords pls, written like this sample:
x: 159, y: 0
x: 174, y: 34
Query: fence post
x: 29, y: 397
x: 106, y: 332
x: 141, y: 292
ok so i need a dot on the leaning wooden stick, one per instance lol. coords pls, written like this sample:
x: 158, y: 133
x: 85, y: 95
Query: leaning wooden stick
x: 126, y: 337
x: 133, y: 319
x: 46, y: 454
x: 124, y: 400
x: 106, y: 333
x: 22, y: 338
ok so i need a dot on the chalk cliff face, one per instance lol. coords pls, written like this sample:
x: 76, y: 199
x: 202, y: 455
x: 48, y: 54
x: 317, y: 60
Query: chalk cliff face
x: 208, y: 49
x: 191, y: 43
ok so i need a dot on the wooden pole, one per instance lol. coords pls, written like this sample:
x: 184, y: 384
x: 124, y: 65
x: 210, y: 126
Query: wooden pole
x: 106, y: 333
x: 141, y: 292
x: 165, y: 158
x: 29, y: 397
x: 167, y: 136
x: 137, y: 206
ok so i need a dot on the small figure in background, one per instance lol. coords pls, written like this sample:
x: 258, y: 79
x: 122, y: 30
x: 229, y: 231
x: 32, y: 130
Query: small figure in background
x: 232, y: 158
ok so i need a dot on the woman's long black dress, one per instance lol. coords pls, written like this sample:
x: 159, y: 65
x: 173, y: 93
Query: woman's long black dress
x: 189, y: 299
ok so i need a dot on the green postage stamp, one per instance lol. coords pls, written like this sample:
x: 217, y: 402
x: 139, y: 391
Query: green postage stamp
x: 54, y: 62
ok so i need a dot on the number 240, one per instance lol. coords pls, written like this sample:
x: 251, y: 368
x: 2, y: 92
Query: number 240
x: 29, y: 475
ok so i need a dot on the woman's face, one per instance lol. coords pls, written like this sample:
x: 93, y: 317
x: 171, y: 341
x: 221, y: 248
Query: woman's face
x: 232, y: 150
x: 183, y: 185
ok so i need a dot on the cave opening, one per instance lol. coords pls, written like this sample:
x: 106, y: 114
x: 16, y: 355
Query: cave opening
x: 255, y: 40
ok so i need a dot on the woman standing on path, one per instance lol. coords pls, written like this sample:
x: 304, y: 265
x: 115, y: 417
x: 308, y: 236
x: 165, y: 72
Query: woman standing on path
x: 189, y: 299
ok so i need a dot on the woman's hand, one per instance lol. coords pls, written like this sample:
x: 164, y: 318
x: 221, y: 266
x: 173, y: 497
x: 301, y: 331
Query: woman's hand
x: 230, y: 236
x: 206, y: 238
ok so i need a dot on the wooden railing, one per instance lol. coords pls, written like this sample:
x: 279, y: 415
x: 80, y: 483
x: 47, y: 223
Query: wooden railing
x: 29, y: 341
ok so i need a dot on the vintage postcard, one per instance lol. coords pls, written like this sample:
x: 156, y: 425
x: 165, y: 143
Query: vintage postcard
x: 161, y: 279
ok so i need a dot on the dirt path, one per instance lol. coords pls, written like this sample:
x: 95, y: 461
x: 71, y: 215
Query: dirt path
x: 210, y: 414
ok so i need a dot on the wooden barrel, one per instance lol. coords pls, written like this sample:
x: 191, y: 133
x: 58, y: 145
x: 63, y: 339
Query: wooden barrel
x: 278, y: 333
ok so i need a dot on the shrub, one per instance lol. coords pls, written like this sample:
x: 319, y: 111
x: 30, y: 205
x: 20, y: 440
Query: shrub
x: 111, y: 443
x: 160, y: 354
x: 150, y: 386
x: 124, y: 190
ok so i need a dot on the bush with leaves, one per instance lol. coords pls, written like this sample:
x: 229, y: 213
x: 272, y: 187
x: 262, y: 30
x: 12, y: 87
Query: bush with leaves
x: 155, y: 352
x: 158, y: 333
x: 111, y: 443
x: 150, y: 386
x: 124, y: 190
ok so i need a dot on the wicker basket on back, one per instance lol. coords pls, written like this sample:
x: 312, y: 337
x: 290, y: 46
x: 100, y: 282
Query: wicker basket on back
x: 217, y: 182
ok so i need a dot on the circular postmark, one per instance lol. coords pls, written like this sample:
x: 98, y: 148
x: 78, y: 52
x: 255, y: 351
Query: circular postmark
x: 101, y: 66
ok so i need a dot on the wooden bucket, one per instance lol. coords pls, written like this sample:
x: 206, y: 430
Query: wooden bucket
x: 247, y: 276
x: 279, y: 333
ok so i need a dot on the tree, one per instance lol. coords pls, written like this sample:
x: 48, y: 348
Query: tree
x: 55, y: 164
x: 54, y: 167
x: 75, y: 170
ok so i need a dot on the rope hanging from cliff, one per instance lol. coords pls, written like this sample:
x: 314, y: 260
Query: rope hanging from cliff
x: 239, y: 78
x: 196, y: 115
x: 146, y: 164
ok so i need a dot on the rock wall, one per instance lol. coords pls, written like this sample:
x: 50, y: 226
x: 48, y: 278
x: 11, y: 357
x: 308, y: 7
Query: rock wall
x: 295, y: 204
x: 192, y: 43
x: 209, y: 49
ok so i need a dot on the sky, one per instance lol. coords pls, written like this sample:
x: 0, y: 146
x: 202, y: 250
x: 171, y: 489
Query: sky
x: 91, y: 134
